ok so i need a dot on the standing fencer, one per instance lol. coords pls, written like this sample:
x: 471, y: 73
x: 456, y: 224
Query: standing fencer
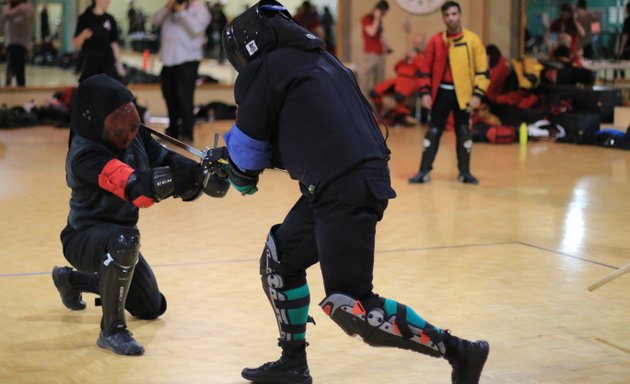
x: 301, y: 110
x: 114, y: 167
x: 454, y: 78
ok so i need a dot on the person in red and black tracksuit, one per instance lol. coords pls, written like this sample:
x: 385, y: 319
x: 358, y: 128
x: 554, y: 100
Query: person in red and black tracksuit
x: 114, y: 167
x: 301, y: 110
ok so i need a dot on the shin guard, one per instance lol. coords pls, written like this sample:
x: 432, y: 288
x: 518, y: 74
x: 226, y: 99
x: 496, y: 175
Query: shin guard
x: 289, y: 295
x: 386, y: 324
x: 431, y: 145
x: 464, y: 148
x: 116, y: 274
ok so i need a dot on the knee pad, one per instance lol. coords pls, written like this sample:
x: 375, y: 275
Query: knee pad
x: 289, y: 295
x: 463, y: 133
x: 123, y: 250
x: 380, y: 328
x: 432, y: 136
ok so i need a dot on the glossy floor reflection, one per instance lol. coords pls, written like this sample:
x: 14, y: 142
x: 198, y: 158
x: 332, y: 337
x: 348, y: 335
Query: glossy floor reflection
x: 508, y: 260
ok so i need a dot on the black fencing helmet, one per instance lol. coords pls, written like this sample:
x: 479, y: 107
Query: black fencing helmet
x: 240, y: 37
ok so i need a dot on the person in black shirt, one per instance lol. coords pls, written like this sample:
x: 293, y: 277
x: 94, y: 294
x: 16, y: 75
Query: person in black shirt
x: 114, y: 167
x: 301, y: 110
x: 97, y: 37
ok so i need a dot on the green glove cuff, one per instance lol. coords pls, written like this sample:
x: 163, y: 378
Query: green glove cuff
x: 245, y: 189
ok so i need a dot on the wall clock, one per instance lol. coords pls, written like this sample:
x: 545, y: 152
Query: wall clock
x: 420, y: 7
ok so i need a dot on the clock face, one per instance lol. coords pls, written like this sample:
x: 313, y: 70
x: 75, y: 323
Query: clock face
x: 420, y: 7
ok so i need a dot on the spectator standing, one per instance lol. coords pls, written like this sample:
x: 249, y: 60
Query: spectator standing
x: 567, y: 23
x: 328, y: 21
x: 217, y: 24
x: 374, y: 47
x: 97, y: 38
x: 18, y: 18
x: 135, y: 18
x: 183, y: 24
x: 455, y: 76
x: 307, y: 17
x: 586, y: 18
x: 44, y: 23
x: 623, y: 51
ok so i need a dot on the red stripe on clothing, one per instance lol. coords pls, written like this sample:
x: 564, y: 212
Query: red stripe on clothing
x: 143, y: 202
x: 113, y: 177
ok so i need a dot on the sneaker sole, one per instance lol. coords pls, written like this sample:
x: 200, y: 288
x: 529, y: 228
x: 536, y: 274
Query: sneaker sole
x: 105, y: 345
x: 262, y: 380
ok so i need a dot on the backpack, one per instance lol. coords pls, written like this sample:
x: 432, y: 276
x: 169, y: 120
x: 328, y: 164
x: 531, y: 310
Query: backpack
x: 501, y: 134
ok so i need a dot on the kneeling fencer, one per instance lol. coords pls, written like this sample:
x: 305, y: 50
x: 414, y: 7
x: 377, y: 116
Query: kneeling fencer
x: 114, y: 167
x: 301, y: 110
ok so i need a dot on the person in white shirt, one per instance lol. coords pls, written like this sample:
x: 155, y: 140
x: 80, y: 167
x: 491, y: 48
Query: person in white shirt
x: 183, y: 24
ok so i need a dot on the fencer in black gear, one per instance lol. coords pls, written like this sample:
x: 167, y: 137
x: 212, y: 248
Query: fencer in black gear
x: 301, y: 110
x: 114, y: 167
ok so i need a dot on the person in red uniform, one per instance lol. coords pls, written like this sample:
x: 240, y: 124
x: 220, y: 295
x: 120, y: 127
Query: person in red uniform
x: 455, y: 78
x: 374, y: 47
x: 400, y: 88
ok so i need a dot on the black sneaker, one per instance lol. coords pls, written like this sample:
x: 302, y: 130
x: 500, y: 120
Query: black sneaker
x: 70, y: 297
x: 467, y: 178
x: 467, y: 358
x: 120, y: 341
x: 420, y: 178
x: 291, y: 368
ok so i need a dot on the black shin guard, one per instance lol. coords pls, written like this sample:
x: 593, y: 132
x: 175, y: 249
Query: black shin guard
x: 430, y: 145
x: 464, y: 148
x: 289, y: 295
x: 116, y: 274
x: 379, y: 330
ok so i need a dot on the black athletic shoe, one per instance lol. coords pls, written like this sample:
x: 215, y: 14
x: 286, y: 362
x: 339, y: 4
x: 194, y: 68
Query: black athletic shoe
x: 466, y: 357
x: 121, y: 342
x: 291, y: 368
x: 467, y: 178
x: 420, y: 178
x: 70, y: 297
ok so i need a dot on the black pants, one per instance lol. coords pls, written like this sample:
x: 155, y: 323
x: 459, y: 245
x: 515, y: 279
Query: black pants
x: 93, y: 63
x: 445, y: 102
x: 16, y: 64
x: 178, y: 90
x: 337, y: 228
x: 85, y: 251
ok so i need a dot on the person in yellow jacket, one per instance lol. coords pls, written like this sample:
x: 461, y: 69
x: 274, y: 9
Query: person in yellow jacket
x: 454, y: 77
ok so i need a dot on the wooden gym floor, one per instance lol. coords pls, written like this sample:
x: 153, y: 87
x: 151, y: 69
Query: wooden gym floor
x: 508, y: 260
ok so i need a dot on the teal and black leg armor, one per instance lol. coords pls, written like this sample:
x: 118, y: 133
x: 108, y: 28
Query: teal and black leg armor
x: 384, y: 323
x: 287, y: 292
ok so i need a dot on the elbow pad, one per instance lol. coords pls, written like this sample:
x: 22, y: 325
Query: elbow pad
x: 144, y: 188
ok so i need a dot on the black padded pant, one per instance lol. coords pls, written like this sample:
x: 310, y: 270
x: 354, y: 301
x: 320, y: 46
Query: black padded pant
x: 85, y: 250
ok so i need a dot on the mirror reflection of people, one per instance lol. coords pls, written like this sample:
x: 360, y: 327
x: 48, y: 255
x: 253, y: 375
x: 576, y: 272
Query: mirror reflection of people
x: 586, y: 18
x: 97, y: 37
x: 301, y: 110
x: 568, y: 23
x: 18, y: 17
